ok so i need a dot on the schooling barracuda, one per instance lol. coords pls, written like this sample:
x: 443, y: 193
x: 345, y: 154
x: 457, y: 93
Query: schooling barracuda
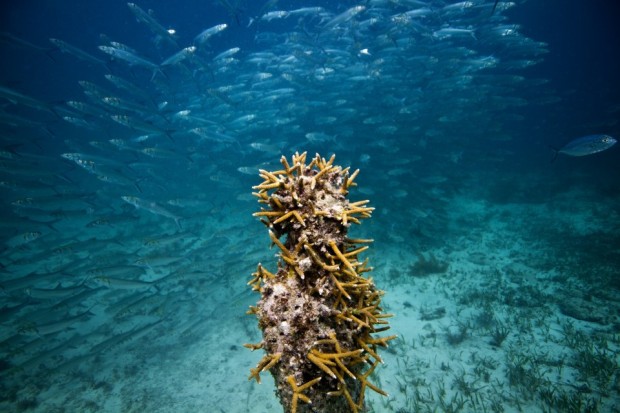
x: 130, y: 58
x: 168, y: 35
x: 179, y: 56
x: 586, y: 145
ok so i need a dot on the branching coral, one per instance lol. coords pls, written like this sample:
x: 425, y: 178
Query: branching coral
x: 318, y: 313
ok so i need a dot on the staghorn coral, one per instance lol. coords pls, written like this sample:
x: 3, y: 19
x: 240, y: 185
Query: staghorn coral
x: 317, y: 312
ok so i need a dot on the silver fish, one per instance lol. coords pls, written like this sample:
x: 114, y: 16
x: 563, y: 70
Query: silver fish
x: 227, y: 53
x: 128, y: 57
x: 34, y: 328
x: 586, y: 145
x: 203, y: 36
x: 344, y: 17
x: 278, y: 14
x: 16, y: 97
x: 14, y: 41
x: 144, y: 17
x: 79, y: 53
x: 152, y: 207
x: 124, y: 284
x: 179, y: 56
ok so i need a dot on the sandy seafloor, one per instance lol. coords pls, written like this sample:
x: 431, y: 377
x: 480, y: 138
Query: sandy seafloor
x: 541, y: 273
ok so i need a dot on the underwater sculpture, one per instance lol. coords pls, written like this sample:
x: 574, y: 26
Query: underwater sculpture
x: 317, y: 312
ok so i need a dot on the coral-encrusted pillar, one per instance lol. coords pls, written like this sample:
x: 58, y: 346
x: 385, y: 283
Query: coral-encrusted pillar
x: 318, y: 313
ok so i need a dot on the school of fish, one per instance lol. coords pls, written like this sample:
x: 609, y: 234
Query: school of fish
x: 129, y: 201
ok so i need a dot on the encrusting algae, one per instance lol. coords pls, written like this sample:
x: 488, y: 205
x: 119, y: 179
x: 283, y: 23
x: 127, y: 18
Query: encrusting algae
x: 318, y: 313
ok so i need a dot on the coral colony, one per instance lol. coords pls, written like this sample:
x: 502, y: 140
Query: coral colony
x: 318, y: 313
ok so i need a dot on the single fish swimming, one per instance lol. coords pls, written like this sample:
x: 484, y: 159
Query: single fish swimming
x: 152, y: 207
x: 585, y: 145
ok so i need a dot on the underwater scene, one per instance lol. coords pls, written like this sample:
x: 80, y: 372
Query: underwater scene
x: 310, y: 206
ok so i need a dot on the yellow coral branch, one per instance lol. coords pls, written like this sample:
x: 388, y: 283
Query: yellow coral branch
x: 358, y: 241
x: 264, y: 272
x: 344, y: 260
x: 315, y: 257
x: 349, y: 181
x: 357, y: 320
x: 308, y: 384
x: 268, y: 175
x: 299, y: 161
x: 344, y: 368
x: 253, y: 347
x: 289, y: 214
x: 287, y: 167
x: 297, y: 216
x: 354, y: 407
x: 319, y: 212
x: 274, y: 359
x: 267, y: 362
x: 331, y: 356
x: 289, y: 260
x: 382, y: 341
x: 365, y: 212
x: 292, y: 261
x: 283, y: 217
x: 262, y: 195
x: 322, y: 172
x: 267, y: 214
x: 362, y: 267
x: 327, y: 164
x: 277, y: 202
x: 339, y: 286
x: 297, y: 391
x: 365, y: 383
x: 322, y: 364
x: 276, y: 241
x: 356, y: 251
x: 354, y: 220
x: 368, y: 350
x: 266, y: 185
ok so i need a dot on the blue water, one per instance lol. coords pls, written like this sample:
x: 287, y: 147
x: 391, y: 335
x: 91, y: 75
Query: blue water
x: 108, y: 306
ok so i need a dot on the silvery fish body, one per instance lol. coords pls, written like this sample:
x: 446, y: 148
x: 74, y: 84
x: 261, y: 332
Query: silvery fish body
x: 587, y: 145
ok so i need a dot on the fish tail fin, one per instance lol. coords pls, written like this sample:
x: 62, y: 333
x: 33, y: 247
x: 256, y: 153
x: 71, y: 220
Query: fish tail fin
x: 51, y: 226
x: 169, y: 132
x: 54, y: 111
x: 88, y: 312
x: 86, y: 278
x: 137, y: 186
x: 555, y: 153
x: 158, y: 71
x: 49, y: 52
